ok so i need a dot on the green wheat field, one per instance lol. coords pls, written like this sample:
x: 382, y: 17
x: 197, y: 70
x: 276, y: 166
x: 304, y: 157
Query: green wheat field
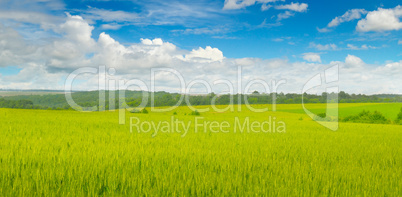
x: 69, y: 153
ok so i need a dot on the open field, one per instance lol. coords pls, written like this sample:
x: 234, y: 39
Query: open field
x: 389, y: 110
x: 71, y: 153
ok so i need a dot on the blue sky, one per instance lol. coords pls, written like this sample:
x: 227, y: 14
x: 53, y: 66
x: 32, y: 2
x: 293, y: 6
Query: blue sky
x: 315, y: 33
x: 242, y: 33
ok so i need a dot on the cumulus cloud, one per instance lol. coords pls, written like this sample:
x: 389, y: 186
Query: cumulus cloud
x: 352, y: 61
x: 156, y: 41
x: 71, y: 49
x: 208, y: 54
x: 312, y: 57
x: 394, y: 68
x: 381, y: 20
x: 77, y: 30
x: 47, y: 65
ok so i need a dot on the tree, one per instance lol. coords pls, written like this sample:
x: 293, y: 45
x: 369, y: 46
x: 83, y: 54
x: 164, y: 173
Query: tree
x: 399, y: 118
x: 195, y: 113
x: 343, y: 95
x: 144, y: 111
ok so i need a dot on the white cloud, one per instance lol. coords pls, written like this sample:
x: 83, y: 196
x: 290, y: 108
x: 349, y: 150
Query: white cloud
x: 146, y: 41
x: 208, y: 54
x: 30, y: 5
x: 312, y: 57
x: 350, y: 15
x: 69, y: 51
x: 225, y: 37
x: 113, y: 26
x: 323, y: 30
x: 13, y: 49
x: 184, y: 13
x: 265, y: 7
x: 110, y: 15
x: 352, y: 61
x: 266, y: 24
x: 395, y: 67
x: 31, y: 11
x: 76, y: 29
x: 156, y: 41
x: 352, y: 47
x: 297, y: 7
x: 285, y: 15
x: 323, y: 47
x: 363, y: 47
x: 281, y: 39
x: 277, y: 39
x: 46, y: 65
x: 381, y: 20
x: 399, y: 41
x: 239, y: 4
x: 46, y: 21
x: 291, y: 8
x: 205, y: 30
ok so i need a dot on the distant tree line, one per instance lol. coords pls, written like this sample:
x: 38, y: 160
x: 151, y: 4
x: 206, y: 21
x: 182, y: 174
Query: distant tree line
x: 26, y: 104
x: 134, y: 99
x: 21, y: 104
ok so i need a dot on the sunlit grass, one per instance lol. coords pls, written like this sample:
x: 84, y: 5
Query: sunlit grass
x: 71, y: 153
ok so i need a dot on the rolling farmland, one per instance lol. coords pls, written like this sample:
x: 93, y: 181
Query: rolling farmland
x: 45, y: 152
